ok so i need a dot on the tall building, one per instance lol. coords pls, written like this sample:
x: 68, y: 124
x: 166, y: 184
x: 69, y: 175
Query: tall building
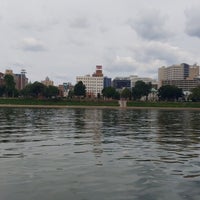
x: 107, y: 82
x: 94, y: 84
x: 47, y: 82
x: 183, y: 76
x: 20, y: 79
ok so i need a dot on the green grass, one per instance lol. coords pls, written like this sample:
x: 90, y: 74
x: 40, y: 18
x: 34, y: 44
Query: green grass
x: 165, y: 104
x: 56, y: 102
x: 90, y: 102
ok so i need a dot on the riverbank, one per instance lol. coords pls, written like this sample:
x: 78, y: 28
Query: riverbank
x: 96, y: 107
x: 52, y: 103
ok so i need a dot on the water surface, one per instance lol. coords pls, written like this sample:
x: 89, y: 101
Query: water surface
x: 87, y: 154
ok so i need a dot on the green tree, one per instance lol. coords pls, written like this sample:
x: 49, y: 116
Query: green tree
x: 2, y: 90
x: 10, y: 90
x: 169, y: 92
x: 80, y: 89
x: 51, y: 91
x: 195, y: 96
x: 126, y: 93
x: 110, y: 92
x: 141, y: 89
x: 35, y: 89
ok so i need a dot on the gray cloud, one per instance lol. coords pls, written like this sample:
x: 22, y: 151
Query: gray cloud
x: 94, y: 32
x: 150, y: 25
x: 80, y: 22
x: 147, y: 57
x: 192, y: 22
x: 32, y: 44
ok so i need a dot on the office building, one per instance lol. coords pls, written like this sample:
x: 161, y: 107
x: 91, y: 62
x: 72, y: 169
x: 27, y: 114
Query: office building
x: 94, y: 84
x: 183, y: 76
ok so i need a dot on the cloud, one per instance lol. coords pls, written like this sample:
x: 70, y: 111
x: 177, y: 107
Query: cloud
x: 150, y: 25
x: 192, y: 22
x: 32, y: 44
x: 146, y: 58
x: 80, y: 22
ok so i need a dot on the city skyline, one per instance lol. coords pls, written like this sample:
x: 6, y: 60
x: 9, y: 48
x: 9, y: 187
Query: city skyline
x: 65, y: 39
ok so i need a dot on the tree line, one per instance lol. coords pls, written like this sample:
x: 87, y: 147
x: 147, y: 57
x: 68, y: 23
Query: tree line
x: 36, y: 89
x: 140, y: 90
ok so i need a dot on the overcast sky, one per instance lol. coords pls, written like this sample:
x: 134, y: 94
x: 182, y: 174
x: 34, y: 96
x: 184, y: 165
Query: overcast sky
x: 65, y: 38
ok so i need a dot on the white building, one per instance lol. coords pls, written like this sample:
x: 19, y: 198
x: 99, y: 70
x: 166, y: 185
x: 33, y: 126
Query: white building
x: 94, y: 84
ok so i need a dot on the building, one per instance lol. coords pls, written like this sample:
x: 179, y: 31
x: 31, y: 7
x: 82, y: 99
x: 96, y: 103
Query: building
x: 47, y: 82
x: 183, y: 76
x: 135, y: 78
x: 185, y: 85
x: 94, y: 84
x: 64, y: 89
x: 121, y: 82
x: 107, y: 82
x: 20, y: 79
x: 129, y: 82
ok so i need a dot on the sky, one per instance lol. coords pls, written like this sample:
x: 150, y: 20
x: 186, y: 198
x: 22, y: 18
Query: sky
x: 63, y: 39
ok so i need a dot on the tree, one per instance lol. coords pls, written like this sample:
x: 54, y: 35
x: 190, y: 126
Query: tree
x: 195, y: 96
x: 141, y: 89
x: 80, y: 89
x: 51, y: 91
x: 2, y: 90
x: 110, y: 92
x: 35, y: 89
x: 126, y: 93
x: 169, y: 92
x: 10, y: 90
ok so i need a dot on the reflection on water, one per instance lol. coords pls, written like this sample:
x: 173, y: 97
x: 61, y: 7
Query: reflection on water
x: 99, y: 154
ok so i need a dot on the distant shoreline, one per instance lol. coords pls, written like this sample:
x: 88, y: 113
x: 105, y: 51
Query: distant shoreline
x: 97, y: 107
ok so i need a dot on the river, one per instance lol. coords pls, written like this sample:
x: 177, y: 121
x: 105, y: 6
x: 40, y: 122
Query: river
x: 99, y: 154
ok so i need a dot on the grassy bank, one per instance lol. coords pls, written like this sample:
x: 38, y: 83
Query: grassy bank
x: 165, y: 104
x: 56, y: 102
x: 113, y: 103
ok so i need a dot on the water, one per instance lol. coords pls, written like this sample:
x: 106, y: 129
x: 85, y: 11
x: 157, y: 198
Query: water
x: 99, y: 154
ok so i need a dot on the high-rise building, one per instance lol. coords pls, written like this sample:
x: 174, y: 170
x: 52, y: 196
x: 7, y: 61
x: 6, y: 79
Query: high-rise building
x: 107, y: 82
x: 94, y: 84
x: 183, y: 76
x: 20, y: 79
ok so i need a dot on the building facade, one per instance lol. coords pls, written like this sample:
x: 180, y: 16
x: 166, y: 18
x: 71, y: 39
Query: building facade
x: 121, y: 82
x: 20, y: 79
x: 129, y: 82
x: 183, y: 76
x: 47, y: 82
x: 94, y: 84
